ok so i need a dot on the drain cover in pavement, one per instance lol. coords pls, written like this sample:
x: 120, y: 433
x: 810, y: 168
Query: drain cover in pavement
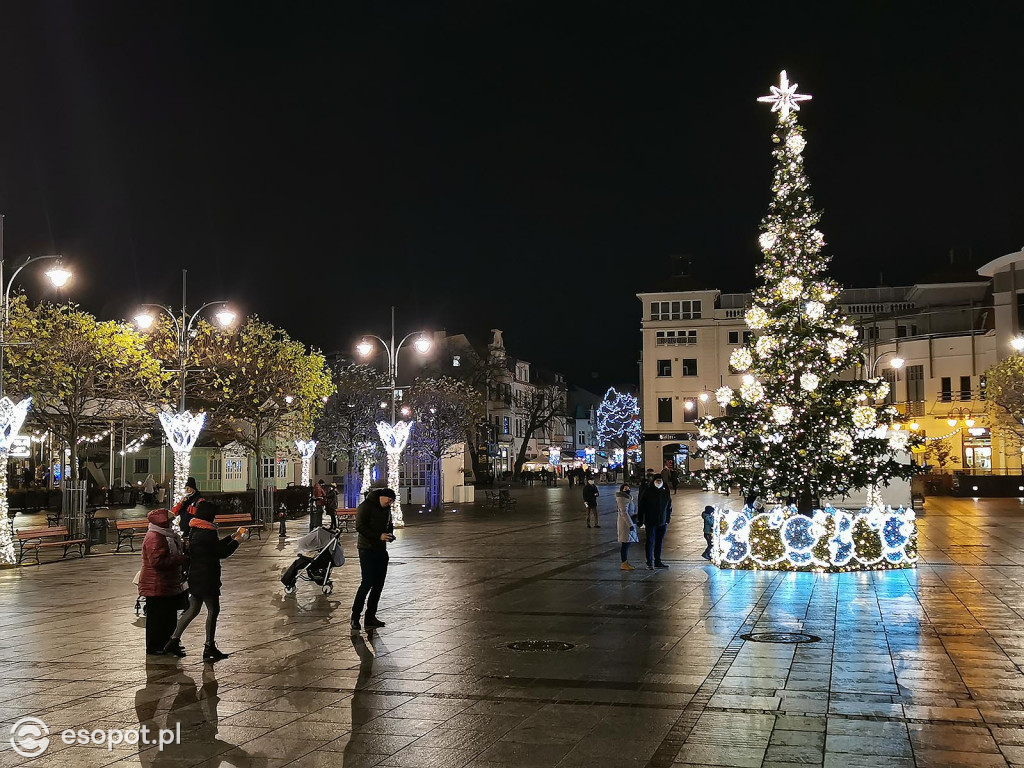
x: 540, y: 646
x: 781, y: 637
x: 624, y: 607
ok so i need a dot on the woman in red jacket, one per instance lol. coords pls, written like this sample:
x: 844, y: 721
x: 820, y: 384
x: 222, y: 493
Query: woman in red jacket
x: 160, y: 581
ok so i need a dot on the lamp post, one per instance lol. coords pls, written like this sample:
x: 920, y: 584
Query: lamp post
x: 395, y: 435
x: 183, y: 428
x: 896, y: 363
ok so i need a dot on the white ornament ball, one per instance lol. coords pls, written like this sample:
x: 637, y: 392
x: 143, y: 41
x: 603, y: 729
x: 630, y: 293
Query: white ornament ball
x: 864, y: 417
x: 782, y: 414
x: 790, y: 288
x: 765, y: 345
x: 756, y: 318
x: 741, y: 359
x: 899, y: 441
x: 842, y: 443
x: 796, y: 143
x: 836, y: 348
x: 815, y: 310
x: 767, y: 240
x: 882, y: 390
x: 809, y: 382
x: 751, y: 390
x: 848, y: 331
x: 724, y: 395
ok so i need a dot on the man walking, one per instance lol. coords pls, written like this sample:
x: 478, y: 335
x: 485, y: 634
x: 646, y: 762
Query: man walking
x: 654, y: 508
x: 590, y: 495
x: 376, y: 530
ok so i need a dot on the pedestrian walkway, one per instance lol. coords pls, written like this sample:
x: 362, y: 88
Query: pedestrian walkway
x: 641, y: 668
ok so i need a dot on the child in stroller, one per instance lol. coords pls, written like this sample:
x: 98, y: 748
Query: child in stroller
x: 319, y: 551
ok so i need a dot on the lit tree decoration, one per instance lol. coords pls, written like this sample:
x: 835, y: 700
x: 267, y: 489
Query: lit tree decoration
x: 618, y: 420
x: 366, y: 454
x: 12, y: 416
x: 554, y: 456
x: 182, y: 430
x: 306, y: 449
x: 394, y: 438
x: 797, y: 431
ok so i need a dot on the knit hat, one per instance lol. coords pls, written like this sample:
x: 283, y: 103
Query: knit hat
x: 191, y: 483
x: 387, y: 492
x: 709, y: 509
x: 206, y: 510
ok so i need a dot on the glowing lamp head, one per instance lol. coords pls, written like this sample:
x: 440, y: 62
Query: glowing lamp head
x: 1017, y: 342
x: 364, y: 347
x: 703, y: 397
x: 144, y: 321
x: 969, y: 423
x: 58, y: 275
x: 951, y: 422
x: 405, y: 410
x: 688, y: 405
x: 897, y: 362
x: 422, y: 345
x: 225, y: 317
x: 914, y: 426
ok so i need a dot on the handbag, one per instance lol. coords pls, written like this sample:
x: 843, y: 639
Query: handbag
x: 138, y: 577
x: 634, y: 537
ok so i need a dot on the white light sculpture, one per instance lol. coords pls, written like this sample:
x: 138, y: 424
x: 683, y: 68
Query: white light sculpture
x: 554, y: 456
x: 784, y: 97
x: 182, y: 431
x: 12, y: 416
x: 306, y: 449
x: 394, y: 437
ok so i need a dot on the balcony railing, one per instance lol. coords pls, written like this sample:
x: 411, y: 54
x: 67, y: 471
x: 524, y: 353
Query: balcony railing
x: 677, y: 341
x: 961, y: 395
x: 911, y: 408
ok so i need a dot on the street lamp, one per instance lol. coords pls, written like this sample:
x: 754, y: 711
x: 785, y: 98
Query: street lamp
x: 183, y: 428
x: 1017, y: 342
x: 896, y: 363
x: 395, y: 435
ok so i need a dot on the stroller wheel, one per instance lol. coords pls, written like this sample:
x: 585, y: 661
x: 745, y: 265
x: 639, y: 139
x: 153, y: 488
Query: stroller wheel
x: 328, y: 588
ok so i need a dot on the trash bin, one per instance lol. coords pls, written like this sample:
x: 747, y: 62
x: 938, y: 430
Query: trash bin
x: 97, y: 531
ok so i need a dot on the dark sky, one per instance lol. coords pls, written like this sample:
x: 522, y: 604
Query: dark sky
x: 521, y: 165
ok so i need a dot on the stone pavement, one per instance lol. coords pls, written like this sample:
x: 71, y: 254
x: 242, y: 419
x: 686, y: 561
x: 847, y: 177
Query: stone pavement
x: 916, y: 667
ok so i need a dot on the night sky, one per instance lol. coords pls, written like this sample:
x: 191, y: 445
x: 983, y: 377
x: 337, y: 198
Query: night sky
x: 520, y: 165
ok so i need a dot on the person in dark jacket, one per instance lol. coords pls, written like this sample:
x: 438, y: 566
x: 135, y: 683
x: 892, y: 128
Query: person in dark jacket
x: 185, y: 509
x: 206, y: 550
x: 331, y: 504
x: 590, y: 495
x: 163, y: 554
x: 655, y: 510
x: 708, y: 517
x: 376, y: 530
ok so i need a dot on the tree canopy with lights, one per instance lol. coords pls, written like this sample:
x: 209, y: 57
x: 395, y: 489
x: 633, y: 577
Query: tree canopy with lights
x: 794, y: 429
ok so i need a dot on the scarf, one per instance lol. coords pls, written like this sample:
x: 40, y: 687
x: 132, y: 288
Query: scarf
x: 196, y: 522
x: 173, y: 540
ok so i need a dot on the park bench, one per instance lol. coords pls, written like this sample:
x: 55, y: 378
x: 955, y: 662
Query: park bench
x: 243, y: 519
x: 346, y: 518
x: 506, y: 500
x: 53, y: 518
x: 128, y: 530
x: 37, y: 538
x: 490, y: 498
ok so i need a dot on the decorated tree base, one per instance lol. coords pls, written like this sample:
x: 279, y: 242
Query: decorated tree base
x: 832, y: 540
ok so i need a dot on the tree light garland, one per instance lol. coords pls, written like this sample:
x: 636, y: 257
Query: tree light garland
x: 12, y: 417
x: 394, y: 438
x: 306, y: 449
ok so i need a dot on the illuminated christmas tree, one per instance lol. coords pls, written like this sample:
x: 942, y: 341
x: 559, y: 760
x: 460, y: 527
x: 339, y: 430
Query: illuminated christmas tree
x: 794, y: 430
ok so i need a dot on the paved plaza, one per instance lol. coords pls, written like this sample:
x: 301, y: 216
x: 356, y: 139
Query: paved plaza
x: 916, y: 667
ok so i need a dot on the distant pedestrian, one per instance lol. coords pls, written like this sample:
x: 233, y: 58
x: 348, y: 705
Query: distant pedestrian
x: 316, y: 515
x: 708, y: 516
x: 625, y: 523
x: 206, y: 550
x: 185, y: 509
x: 148, y: 489
x: 331, y: 504
x: 674, y: 478
x: 590, y: 495
x: 654, y: 507
x: 160, y: 580
x: 376, y: 530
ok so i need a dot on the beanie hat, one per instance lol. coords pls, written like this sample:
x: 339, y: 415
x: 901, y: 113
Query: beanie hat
x: 709, y: 508
x: 206, y: 510
x: 191, y: 483
x: 387, y: 492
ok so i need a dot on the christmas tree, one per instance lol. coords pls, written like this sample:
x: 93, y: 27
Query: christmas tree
x: 794, y: 431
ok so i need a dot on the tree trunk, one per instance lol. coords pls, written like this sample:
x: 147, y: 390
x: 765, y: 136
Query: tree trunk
x: 520, y: 458
x: 73, y: 459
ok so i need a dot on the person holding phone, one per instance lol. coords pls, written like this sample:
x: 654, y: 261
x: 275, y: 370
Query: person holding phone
x: 206, y: 550
x: 376, y: 531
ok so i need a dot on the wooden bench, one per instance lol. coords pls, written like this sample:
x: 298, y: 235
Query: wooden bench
x: 490, y: 498
x: 243, y: 519
x: 128, y: 530
x: 36, y: 538
x: 506, y: 500
x: 53, y: 518
x: 346, y: 519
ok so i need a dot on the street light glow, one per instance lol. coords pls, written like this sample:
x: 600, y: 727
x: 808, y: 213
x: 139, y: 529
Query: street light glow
x: 144, y: 320
x: 703, y: 397
x: 289, y: 399
x: 897, y: 362
x: 364, y: 347
x: 225, y: 317
x: 422, y: 345
x: 58, y: 276
x: 1017, y: 342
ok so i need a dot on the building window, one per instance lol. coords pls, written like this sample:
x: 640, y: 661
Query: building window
x: 583, y: 438
x: 664, y: 367
x: 747, y: 336
x: 664, y: 409
x: 416, y: 472
x: 232, y: 469
x: 267, y: 470
x: 691, y: 310
x: 675, y: 310
x: 901, y: 331
x: 670, y: 338
x: 889, y: 374
x: 965, y: 387
x: 734, y: 337
x: 142, y: 466
x: 946, y: 389
x: 282, y: 468
x: 332, y: 466
x: 982, y: 387
x: 915, y: 383
x: 504, y: 425
x: 215, y: 468
x: 689, y: 366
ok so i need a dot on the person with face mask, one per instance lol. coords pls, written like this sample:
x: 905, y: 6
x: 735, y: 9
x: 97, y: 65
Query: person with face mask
x: 654, y: 508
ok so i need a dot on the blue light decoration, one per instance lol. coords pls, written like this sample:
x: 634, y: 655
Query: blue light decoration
x: 618, y: 418
x: 828, y: 540
x: 554, y: 456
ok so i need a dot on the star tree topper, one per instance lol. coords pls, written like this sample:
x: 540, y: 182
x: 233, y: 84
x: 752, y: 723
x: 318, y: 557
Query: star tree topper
x: 784, y: 97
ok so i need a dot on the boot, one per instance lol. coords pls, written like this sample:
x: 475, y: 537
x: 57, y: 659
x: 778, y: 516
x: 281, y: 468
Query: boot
x: 372, y: 621
x: 212, y: 653
x: 174, y: 648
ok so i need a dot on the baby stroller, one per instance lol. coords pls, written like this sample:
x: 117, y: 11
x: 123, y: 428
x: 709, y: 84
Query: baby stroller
x: 319, y: 553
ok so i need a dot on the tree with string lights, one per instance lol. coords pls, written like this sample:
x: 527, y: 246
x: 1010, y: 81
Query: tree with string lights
x: 618, y: 422
x: 794, y: 431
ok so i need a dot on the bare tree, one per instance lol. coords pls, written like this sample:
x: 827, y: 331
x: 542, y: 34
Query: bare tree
x: 542, y: 406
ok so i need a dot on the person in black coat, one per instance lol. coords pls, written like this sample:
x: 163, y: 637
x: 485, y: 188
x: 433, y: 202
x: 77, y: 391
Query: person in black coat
x: 654, y: 508
x: 590, y: 495
x: 376, y: 530
x: 206, y: 549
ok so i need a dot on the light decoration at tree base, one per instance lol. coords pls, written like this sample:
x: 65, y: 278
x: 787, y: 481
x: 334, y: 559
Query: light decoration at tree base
x: 182, y: 431
x: 395, y: 437
x: 12, y: 416
x: 306, y: 449
x: 834, y: 540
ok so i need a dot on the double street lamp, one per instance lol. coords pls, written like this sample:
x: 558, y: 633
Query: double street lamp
x: 182, y: 428
x: 395, y: 435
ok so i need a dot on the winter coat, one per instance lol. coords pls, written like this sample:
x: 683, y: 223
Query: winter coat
x: 372, y: 520
x: 709, y: 522
x: 206, y: 549
x: 590, y: 495
x: 624, y: 522
x: 186, y: 510
x: 655, y: 506
x: 162, y: 558
x: 332, y: 500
